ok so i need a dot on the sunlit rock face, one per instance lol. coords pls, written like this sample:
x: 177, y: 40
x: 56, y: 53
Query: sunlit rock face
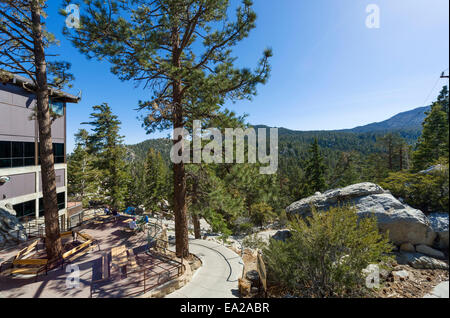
x: 404, y: 223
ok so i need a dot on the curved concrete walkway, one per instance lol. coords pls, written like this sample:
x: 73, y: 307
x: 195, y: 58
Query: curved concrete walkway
x: 218, y: 276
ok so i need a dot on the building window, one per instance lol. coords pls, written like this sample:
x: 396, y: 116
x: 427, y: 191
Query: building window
x: 58, y: 153
x: 61, y: 200
x: 16, y: 154
x: 41, y: 207
x: 25, y: 209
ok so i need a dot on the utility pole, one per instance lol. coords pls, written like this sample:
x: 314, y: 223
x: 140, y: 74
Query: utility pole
x: 444, y: 76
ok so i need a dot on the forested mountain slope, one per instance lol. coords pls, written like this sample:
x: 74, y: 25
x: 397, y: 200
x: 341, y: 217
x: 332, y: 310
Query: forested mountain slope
x: 410, y: 120
x: 360, y: 139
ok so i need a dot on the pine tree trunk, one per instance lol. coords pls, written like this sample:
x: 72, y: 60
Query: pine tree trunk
x: 52, y: 235
x: 179, y: 187
x: 197, y: 230
x: 180, y: 210
x: 401, y: 158
x: 179, y: 173
x: 195, y: 218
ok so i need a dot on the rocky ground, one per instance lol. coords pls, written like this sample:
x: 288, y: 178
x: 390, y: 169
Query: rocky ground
x: 399, y: 281
x: 407, y: 282
x: 403, y: 282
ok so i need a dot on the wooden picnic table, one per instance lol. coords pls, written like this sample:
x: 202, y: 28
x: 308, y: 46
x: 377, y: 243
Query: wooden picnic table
x: 119, y: 256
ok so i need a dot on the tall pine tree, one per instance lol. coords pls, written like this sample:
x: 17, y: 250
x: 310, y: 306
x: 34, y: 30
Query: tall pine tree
x: 182, y: 51
x: 106, y: 146
x: 315, y: 169
x: 211, y: 197
x: 443, y: 100
x: 136, y: 194
x: 434, y: 142
x: 157, y: 184
x: 24, y: 40
x: 81, y: 174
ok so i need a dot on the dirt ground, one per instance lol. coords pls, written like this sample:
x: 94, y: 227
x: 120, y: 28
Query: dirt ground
x: 419, y: 283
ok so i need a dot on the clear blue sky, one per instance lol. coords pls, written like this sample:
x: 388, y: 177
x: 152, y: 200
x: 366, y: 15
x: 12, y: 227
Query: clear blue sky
x: 329, y: 71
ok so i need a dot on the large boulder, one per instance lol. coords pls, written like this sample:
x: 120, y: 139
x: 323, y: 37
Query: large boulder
x: 282, y: 235
x: 2, y: 240
x: 404, y: 223
x: 407, y: 247
x: 420, y: 261
x: 252, y: 276
x: 7, y: 208
x: 429, y: 251
x: 10, y: 228
x: 332, y: 197
x: 439, y: 223
x: 265, y: 236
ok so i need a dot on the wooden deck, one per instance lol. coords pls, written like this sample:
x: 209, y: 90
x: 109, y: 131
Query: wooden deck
x: 126, y: 274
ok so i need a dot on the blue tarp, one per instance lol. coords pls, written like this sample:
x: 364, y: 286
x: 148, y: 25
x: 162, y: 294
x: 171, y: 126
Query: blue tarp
x: 130, y: 210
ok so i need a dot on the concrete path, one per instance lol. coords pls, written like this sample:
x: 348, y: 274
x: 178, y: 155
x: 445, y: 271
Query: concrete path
x: 440, y: 291
x: 218, y: 276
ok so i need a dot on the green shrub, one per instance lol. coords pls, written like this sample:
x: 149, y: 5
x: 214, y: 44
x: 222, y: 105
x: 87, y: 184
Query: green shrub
x: 426, y: 192
x: 326, y: 254
x: 283, y: 218
x: 261, y: 214
x: 254, y: 242
x: 243, y: 226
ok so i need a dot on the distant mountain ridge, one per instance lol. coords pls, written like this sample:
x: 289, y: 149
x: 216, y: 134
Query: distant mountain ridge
x: 408, y: 124
x: 409, y: 120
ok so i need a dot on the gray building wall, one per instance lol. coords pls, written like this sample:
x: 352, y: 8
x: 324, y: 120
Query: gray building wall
x: 16, y: 116
x: 17, y: 123
x: 60, y: 179
x: 16, y: 109
x: 20, y: 184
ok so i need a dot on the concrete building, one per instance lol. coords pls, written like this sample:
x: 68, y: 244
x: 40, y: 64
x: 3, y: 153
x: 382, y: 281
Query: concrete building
x: 20, y: 172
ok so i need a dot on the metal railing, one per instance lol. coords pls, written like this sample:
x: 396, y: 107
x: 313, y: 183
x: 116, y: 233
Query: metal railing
x: 147, y: 281
x: 35, y: 228
x: 82, y: 217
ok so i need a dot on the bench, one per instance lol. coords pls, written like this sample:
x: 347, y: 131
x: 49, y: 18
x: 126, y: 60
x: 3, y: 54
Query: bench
x: 119, y: 258
x: 37, y: 266
x: 66, y: 234
x: 27, y: 250
x: 81, y: 249
x: 132, y: 259
x: 102, y: 217
x: 22, y: 253
x: 26, y: 266
x: 76, y: 252
x: 88, y: 237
